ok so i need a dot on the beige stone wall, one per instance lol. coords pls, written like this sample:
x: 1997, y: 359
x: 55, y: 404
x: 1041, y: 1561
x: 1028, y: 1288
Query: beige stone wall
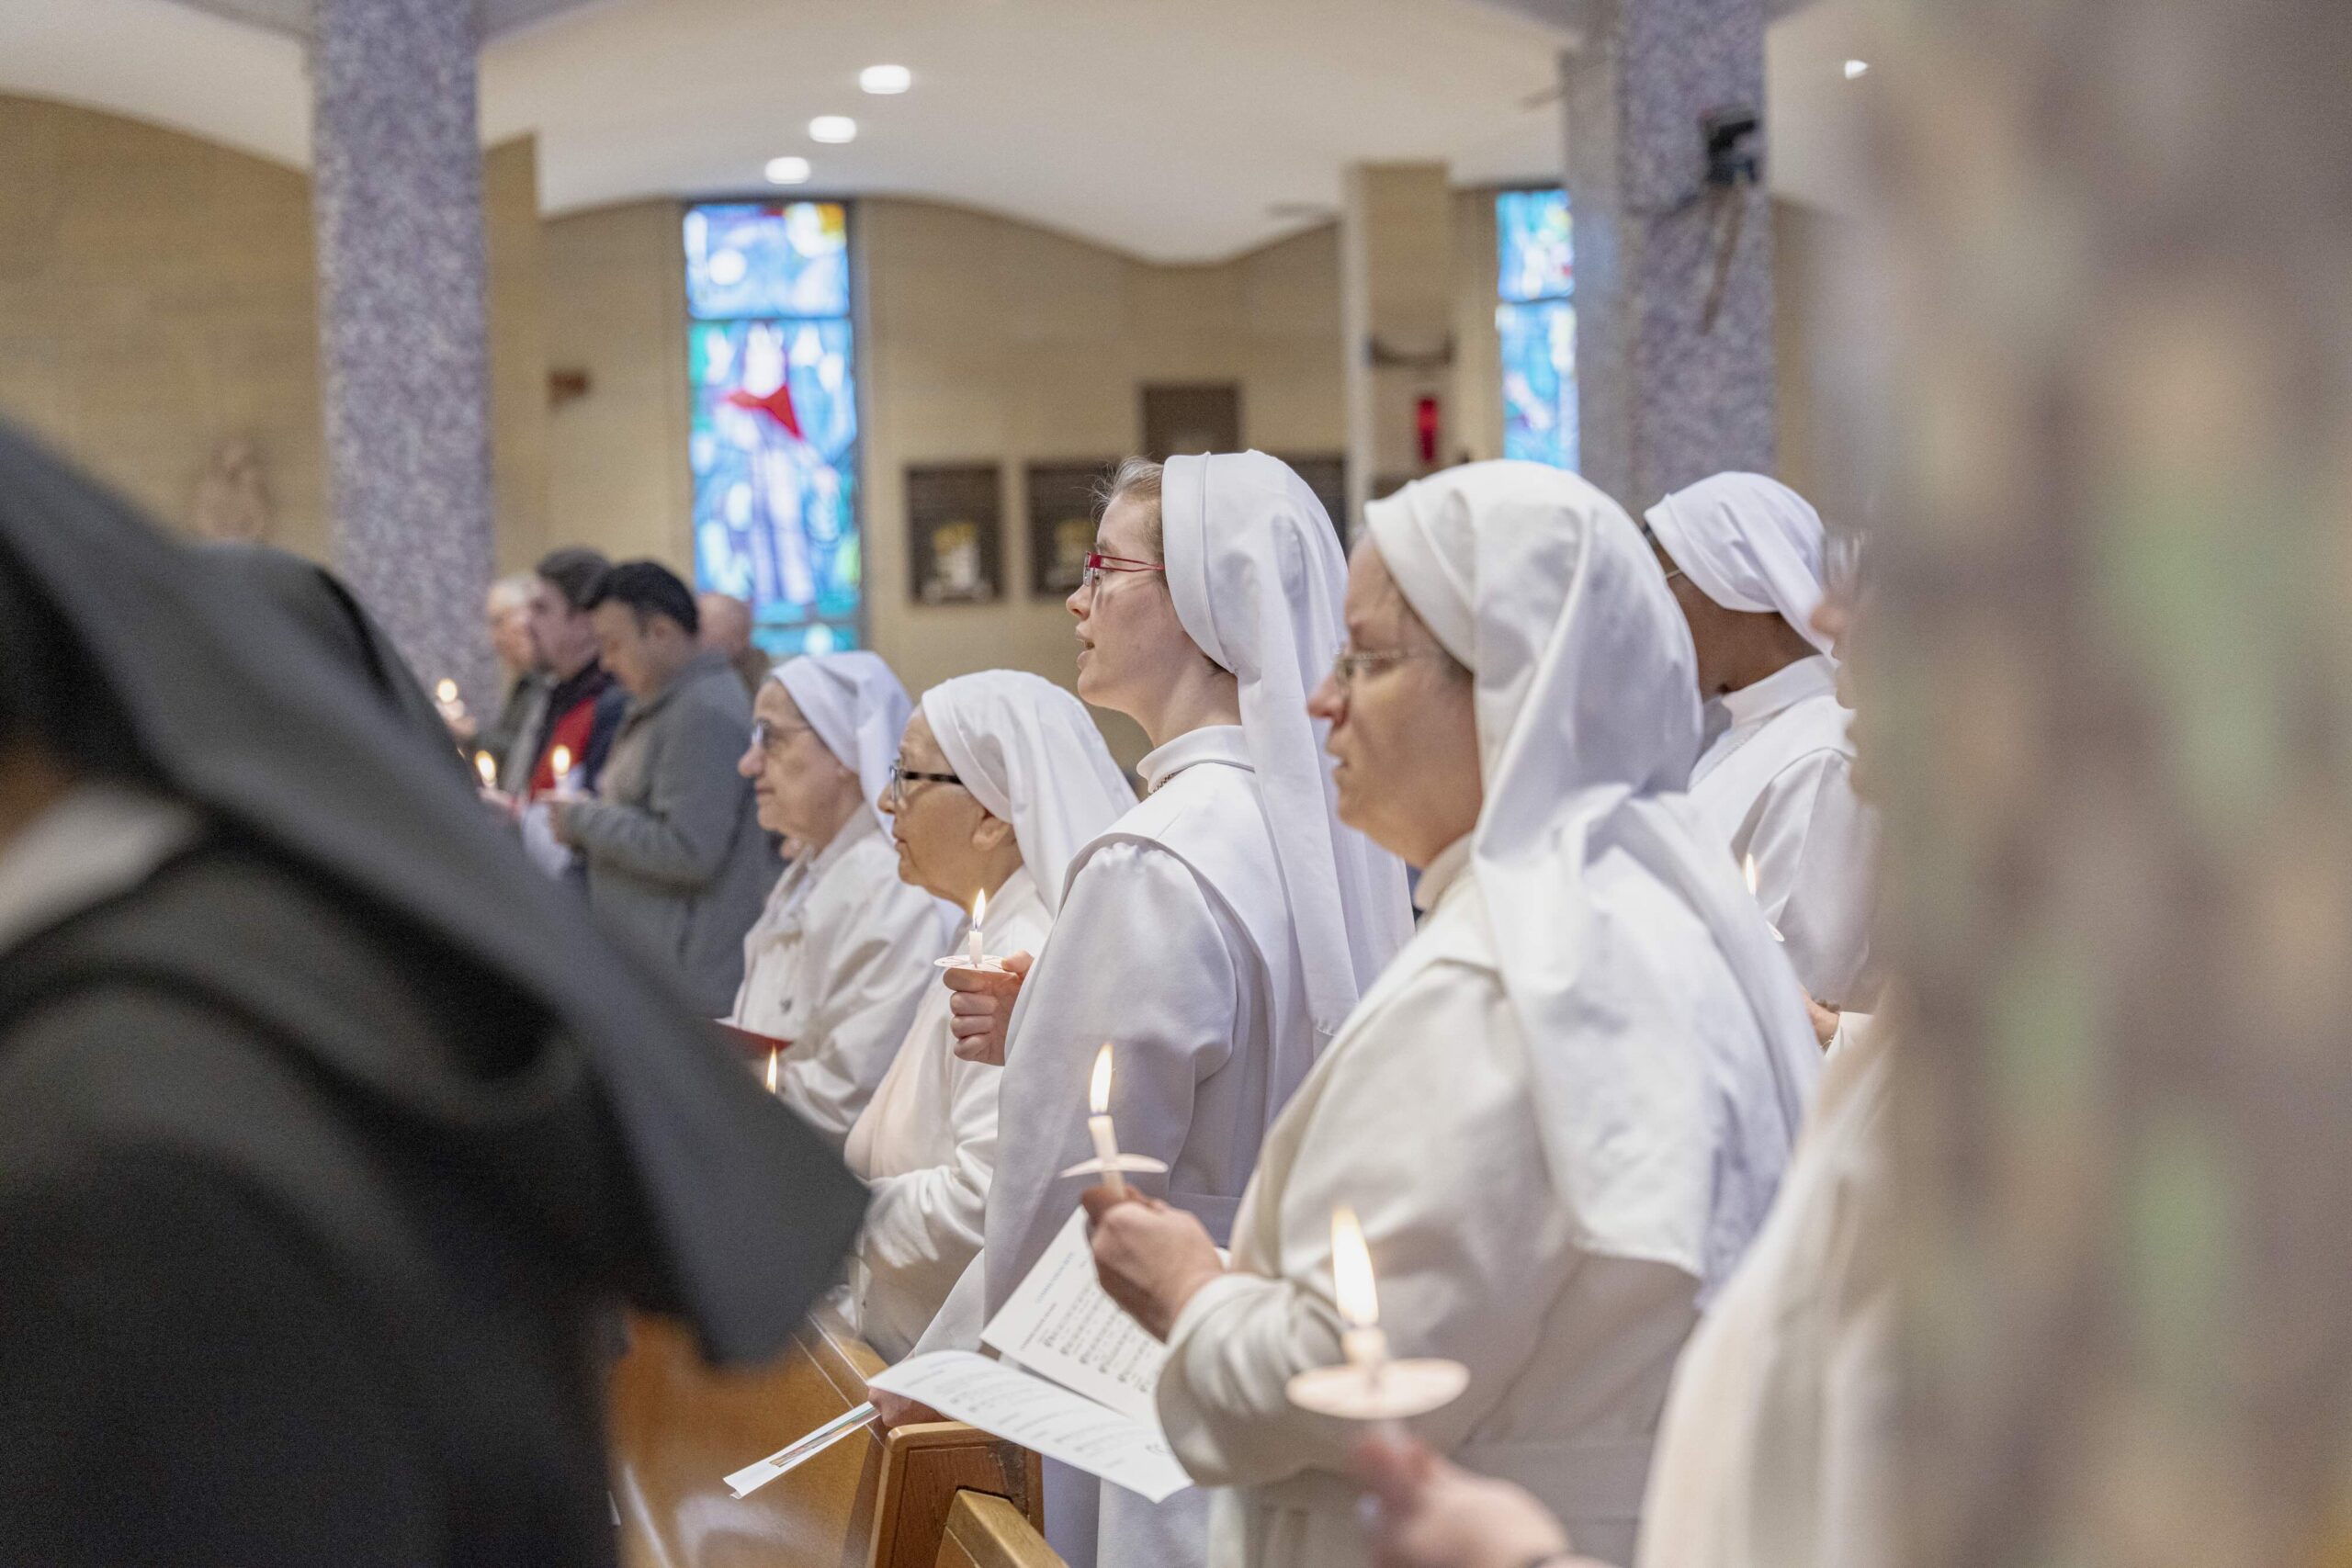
x: 1474, y: 420
x: 615, y: 302
x: 988, y: 340
x: 518, y: 350
x: 158, y: 299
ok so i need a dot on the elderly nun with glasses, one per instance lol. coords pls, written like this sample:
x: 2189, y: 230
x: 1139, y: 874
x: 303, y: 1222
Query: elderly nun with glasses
x: 1001, y: 778
x: 842, y: 956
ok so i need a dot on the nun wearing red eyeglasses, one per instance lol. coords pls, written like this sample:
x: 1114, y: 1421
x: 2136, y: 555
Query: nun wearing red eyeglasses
x: 1217, y: 934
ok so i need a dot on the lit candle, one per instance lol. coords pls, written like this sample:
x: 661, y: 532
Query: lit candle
x: 771, y: 1069
x: 1747, y: 869
x: 447, y: 691
x: 560, y: 761
x: 487, y: 767
x: 1106, y: 1141
x: 1370, y: 1385
x: 1365, y: 1346
x: 979, y: 913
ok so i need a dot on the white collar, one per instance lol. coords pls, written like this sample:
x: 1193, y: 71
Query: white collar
x: 99, y: 841
x: 1443, y: 871
x: 1782, y: 690
x: 1210, y: 743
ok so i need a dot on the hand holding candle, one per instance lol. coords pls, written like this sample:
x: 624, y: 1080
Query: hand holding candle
x: 559, y: 763
x: 972, y: 957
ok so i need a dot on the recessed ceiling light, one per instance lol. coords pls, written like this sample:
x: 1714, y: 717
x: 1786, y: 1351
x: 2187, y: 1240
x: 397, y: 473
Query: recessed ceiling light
x: 788, y: 170
x: 833, y: 128
x: 885, y: 80
x: 1855, y: 68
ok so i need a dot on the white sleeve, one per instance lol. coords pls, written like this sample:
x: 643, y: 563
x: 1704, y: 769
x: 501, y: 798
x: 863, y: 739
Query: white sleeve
x: 1474, y: 1258
x: 923, y: 1228
x: 1816, y: 846
x: 877, y: 946
x: 1138, y: 958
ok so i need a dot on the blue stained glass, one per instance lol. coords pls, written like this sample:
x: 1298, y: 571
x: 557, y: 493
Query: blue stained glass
x: 775, y: 506
x: 763, y: 259
x: 1539, y: 353
x: 1537, y: 253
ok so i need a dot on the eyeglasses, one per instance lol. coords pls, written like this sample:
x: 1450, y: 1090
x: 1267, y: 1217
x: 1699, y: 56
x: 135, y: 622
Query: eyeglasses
x: 895, y: 792
x: 1353, y: 662
x: 766, y: 737
x: 1097, y: 564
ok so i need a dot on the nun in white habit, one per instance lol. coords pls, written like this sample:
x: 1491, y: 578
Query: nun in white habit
x: 841, y: 955
x: 1002, y: 777
x: 1561, y: 1114
x: 1219, y: 933
x: 1775, y: 776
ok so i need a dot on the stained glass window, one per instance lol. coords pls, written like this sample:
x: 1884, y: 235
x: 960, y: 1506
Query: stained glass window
x: 1536, y: 317
x: 772, y: 358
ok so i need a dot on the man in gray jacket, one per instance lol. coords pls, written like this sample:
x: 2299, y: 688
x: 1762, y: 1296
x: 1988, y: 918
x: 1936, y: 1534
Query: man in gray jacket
x: 675, y: 854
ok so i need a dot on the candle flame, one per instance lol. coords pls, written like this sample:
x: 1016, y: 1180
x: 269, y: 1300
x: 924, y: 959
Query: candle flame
x: 1100, y: 1096
x: 1351, y: 1270
x: 487, y: 768
x: 561, y: 759
x: 1747, y: 870
x: 771, y: 1069
x: 979, y: 908
x: 447, y: 691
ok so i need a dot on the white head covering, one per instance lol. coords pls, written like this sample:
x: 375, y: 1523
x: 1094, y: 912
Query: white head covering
x: 1751, y: 543
x: 1030, y: 754
x: 1663, y: 1145
x: 857, y: 708
x: 1258, y: 576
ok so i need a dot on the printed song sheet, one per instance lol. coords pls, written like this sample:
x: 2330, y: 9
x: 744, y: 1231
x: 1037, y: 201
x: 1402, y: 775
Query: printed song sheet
x: 1059, y: 1323
x: 1023, y: 1408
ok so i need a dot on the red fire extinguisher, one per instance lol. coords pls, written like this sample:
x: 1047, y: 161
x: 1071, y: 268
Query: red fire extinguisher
x: 1425, y: 426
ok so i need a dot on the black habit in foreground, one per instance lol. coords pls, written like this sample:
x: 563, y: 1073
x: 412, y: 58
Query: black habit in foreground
x: 332, y: 1134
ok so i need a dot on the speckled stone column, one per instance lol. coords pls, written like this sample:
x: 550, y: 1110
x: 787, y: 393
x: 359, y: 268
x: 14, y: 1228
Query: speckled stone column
x: 1674, y: 347
x: 402, y: 326
x: 2106, y: 685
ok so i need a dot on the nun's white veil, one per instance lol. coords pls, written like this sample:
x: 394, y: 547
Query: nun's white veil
x: 1666, y: 1140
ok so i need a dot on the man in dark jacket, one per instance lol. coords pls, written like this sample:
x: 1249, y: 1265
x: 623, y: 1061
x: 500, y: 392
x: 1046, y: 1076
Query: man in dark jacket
x: 584, y: 703
x: 329, y: 1136
x: 675, y: 854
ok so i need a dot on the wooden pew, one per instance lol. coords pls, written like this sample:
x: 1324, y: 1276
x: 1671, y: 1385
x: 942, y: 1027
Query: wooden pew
x: 990, y: 1532
x: 679, y: 1427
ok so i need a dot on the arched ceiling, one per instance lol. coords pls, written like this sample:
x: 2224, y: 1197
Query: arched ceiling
x: 1173, y: 131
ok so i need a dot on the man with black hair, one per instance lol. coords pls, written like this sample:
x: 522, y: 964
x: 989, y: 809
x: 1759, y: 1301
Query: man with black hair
x: 586, y: 704
x: 673, y: 847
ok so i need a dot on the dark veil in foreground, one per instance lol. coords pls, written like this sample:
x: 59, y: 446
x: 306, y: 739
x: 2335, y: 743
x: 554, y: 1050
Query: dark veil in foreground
x: 178, y: 673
